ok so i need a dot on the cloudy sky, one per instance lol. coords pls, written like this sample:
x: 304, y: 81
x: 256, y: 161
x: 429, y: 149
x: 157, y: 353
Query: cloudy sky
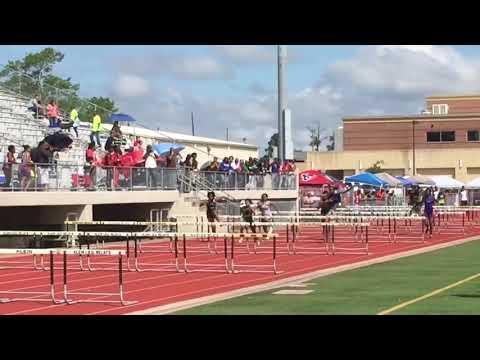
x: 234, y: 87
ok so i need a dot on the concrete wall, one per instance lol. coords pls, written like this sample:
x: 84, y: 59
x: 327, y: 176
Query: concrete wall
x: 40, y: 217
x: 48, y: 210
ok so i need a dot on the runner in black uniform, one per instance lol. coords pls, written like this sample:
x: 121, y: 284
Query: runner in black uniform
x: 211, y: 205
x: 247, y: 212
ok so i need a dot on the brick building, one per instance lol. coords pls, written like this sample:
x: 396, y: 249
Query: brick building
x: 443, y: 140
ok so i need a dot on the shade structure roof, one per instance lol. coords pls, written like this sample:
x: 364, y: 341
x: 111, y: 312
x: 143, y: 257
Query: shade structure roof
x: 366, y: 178
x: 405, y: 181
x: 474, y: 184
x: 446, y: 182
x: 391, y: 180
x: 421, y: 179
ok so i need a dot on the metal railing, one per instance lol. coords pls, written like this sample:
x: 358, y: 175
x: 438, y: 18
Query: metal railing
x: 84, y: 177
x: 228, y: 181
x: 70, y: 177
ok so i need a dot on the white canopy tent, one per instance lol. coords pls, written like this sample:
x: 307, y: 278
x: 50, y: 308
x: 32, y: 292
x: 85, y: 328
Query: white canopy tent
x: 446, y: 182
x: 474, y: 184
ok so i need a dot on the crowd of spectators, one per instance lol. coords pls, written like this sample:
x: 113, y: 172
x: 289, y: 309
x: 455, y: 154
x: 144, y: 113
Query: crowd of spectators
x: 125, y: 161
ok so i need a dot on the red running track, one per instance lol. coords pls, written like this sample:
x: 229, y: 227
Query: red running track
x: 152, y: 289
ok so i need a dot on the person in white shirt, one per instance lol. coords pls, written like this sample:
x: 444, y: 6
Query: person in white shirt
x: 435, y: 193
x: 151, y: 167
x: 463, y: 197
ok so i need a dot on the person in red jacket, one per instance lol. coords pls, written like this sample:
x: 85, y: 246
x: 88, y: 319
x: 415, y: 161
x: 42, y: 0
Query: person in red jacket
x: 127, y: 162
x: 91, y: 160
x: 380, y: 196
x: 116, y: 160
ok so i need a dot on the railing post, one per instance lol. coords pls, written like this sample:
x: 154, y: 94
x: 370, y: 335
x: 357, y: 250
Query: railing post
x: 162, y: 184
x: 131, y: 179
x: 35, y: 177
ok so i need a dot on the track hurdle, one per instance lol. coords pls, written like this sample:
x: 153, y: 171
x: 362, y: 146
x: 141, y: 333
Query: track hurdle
x: 329, y: 233
x: 205, y: 267
x: 237, y: 267
x: 139, y: 266
x: 67, y: 294
x: 32, y: 296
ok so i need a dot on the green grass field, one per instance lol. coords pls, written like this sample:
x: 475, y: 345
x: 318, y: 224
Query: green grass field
x: 375, y: 288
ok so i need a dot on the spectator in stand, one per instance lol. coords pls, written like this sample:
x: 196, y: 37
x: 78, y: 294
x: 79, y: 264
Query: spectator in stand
x: 26, y: 168
x: 96, y: 128
x: 212, y: 169
x: 52, y: 113
x: 138, y: 151
x: 151, y: 167
x: 117, y: 163
x: 250, y: 170
x: 91, y: 160
x: 287, y: 174
x: 8, y: 162
x: 213, y: 165
x: 275, y: 170
x: 116, y: 133
x: 128, y: 163
x: 188, y: 162
x: 171, y: 169
x: 194, y: 161
x: 225, y: 169
x: 75, y: 121
x: 224, y: 165
x: 37, y: 107
x: 234, y: 165
x: 260, y: 174
x: 108, y: 161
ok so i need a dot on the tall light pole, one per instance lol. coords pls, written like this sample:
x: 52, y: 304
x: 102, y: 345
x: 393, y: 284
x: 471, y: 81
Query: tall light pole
x: 282, y: 98
x: 413, y: 148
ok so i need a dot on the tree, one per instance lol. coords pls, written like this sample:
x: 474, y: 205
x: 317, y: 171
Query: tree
x: 315, y: 138
x: 28, y: 74
x: 103, y: 106
x: 272, y: 143
x: 331, y: 146
x: 34, y: 75
x: 376, y: 168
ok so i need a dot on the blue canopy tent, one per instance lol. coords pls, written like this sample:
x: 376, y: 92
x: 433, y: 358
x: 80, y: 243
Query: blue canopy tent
x: 405, y: 181
x: 366, y: 178
x: 121, y: 118
x: 163, y: 149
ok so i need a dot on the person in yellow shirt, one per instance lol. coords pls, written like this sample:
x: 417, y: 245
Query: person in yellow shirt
x: 74, y: 120
x: 96, y: 127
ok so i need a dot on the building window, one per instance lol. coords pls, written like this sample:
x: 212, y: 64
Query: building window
x: 440, y: 109
x: 440, y: 136
x: 433, y: 136
x: 448, y: 136
x: 473, y: 135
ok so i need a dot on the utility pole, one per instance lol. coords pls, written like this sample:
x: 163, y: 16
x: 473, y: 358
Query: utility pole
x: 227, y: 134
x: 282, y: 99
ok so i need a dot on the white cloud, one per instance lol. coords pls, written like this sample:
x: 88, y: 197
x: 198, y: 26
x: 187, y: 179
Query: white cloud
x: 128, y: 85
x: 376, y: 80
x: 247, y: 54
x: 177, y: 66
x: 200, y: 68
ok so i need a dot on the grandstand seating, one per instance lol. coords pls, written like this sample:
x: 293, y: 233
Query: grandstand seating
x: 18, y: 127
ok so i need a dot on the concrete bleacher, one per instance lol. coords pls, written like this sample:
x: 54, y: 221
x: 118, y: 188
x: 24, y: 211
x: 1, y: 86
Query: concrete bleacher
x: 19, y: 127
